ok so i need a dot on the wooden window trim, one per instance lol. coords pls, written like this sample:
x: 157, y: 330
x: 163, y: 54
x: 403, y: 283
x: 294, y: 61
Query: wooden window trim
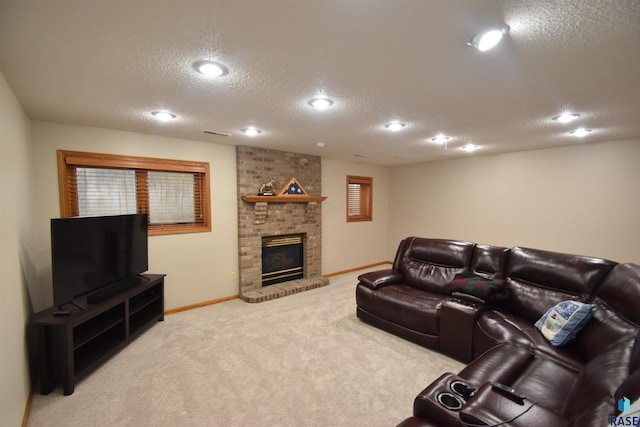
x: 68, y: 160
x: 366, y: 202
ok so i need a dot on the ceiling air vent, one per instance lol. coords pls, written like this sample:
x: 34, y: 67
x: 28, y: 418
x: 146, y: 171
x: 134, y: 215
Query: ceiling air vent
x: 214, y: 132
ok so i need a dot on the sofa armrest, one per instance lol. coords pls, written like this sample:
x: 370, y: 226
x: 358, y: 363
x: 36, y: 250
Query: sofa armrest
x: 457, y: 318
x: 378, y: 279
x: 491, y: 407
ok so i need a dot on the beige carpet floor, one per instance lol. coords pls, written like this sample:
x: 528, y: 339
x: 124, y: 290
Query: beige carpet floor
x: 301, y: 360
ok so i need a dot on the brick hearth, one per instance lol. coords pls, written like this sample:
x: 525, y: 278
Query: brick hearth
x: 256, y: 166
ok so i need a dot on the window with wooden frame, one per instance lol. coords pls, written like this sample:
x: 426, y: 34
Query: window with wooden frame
x: 175, y: 193
x: 359, y: 198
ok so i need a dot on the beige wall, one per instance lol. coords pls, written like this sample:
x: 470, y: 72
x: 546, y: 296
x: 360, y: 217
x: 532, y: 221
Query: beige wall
x: 582, y: 199
x: 16, y: 253
x: 354, y: 244
x: 199, y: 266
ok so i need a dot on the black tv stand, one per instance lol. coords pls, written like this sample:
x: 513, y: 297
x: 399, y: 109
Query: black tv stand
x: 73, y: 345
x: 113, y: 289
x: 70, y: 302
x: 77, y: 305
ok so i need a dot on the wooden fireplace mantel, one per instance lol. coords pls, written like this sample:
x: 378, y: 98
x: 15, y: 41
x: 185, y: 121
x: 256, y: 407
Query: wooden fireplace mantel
x: 283, y: 199
x: 291, y: 192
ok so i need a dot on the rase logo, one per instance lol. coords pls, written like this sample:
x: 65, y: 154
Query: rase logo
x: 625, y: 418
x: 624, y: 404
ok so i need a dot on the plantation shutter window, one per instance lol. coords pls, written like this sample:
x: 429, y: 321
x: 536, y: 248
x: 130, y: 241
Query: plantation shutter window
x: 359, y: 198
x: 175, y: 193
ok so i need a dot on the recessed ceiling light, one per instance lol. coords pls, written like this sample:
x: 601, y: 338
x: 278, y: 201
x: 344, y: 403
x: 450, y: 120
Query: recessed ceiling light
x: 488, y: 39
x: 394, y: 126
x: 163, y: 116
x: 440, y: 139
x: 251, y: 131
x: 319, y: 144
x: 320, y: 103
x: 210, y: 68
x: 469, y: 148
x: 580, y: 132
x: 566, y: 117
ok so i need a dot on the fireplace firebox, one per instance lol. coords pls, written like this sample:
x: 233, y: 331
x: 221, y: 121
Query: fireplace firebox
x: 282, y: 258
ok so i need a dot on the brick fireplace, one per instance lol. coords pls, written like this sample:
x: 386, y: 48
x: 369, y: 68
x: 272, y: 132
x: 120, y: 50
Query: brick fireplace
x: 256, y: 220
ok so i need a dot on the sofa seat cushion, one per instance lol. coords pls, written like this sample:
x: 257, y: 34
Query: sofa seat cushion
x: 490, y: 407
x: 404, y: 305
x: 494, y: 327
x: 540, y: 379
x: 547, y: 382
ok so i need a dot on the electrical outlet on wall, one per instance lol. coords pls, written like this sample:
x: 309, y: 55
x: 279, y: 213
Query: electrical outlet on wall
x: 234, y: 276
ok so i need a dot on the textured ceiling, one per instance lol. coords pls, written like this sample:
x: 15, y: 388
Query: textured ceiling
x: 110, y: 63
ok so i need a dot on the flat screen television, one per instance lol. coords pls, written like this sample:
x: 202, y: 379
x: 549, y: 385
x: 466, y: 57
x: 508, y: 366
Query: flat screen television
x: 89, y: 253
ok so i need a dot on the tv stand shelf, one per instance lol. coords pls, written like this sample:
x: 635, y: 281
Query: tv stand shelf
x: 73, y: 345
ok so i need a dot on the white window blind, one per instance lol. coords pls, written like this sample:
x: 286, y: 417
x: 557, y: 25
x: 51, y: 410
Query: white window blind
x: 106, y: 191
x: 171, y: 197
x: 354, y: 199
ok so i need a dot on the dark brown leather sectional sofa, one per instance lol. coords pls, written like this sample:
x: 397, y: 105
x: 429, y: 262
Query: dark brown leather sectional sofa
x: 577, y: 384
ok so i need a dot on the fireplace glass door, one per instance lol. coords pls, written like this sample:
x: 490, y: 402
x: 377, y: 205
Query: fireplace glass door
x: 282, y: 259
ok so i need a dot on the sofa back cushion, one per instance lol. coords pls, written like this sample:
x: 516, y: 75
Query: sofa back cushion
x: 620, y: 291
x: 616, y: 314
x: 429, y: 264
x: 610, y: 343
x: 537, y: 280
x: 489, y: 261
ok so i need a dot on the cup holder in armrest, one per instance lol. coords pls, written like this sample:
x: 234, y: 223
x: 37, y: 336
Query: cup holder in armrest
x: 450, y: 401
x: 462, y: 389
